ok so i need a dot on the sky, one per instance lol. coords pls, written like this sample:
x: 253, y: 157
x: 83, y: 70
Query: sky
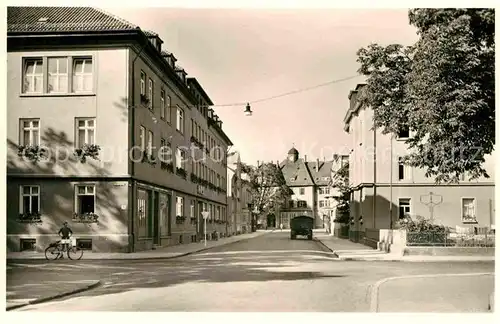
x: 243, y: 55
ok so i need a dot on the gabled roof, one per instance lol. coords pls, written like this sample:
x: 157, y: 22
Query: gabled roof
x: 297, y: 171
x: 63, y: 19
x: 197, y: 85
x: 324, y: 172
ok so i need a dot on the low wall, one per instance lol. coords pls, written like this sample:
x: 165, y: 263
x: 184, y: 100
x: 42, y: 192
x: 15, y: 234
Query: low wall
x: 449, y: 251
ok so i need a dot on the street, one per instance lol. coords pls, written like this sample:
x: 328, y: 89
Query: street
x: 267, y: 273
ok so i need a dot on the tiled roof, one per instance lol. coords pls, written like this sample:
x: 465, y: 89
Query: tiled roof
x: 63, y: 19
x: 297, y: 171
x: 149, y: 33
x: 318, y: 177
x: 305, y: 174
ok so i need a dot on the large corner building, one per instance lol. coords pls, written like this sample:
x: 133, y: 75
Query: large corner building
x: 78, y: 79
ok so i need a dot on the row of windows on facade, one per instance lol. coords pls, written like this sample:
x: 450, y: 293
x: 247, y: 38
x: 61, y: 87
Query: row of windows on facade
x: 52, y: 75
x: 165, y: 113
x: 84, y: 203
x: 303, y: 204
x: 468, y: 209
x: 321, y: 191
x: 213, y: 147
x: 404, y: 171
x: 30, y: 134
x: 198, y: 167
x: 81, y: 69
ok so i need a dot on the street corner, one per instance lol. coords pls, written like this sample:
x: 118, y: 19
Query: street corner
x: 30, y: 294
x: 460, y: 292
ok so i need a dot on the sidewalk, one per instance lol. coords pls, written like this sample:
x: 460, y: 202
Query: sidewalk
x: 161, y: 253
x: 350, y: 251
x: 26, y: 293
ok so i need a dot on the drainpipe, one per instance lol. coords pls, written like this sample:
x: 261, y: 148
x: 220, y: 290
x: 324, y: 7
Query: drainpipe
x: 131, y: 109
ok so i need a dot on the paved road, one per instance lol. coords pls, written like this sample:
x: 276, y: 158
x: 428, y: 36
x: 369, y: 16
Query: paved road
x: 268, y: 273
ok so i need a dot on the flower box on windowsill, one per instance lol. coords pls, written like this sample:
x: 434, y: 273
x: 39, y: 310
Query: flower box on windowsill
x: 85, y: 218
x: 167, y: 166
x: 181, y: 172
x: 194, y: 178
x: 195, y: 141
x: 87, y: 150
x: 33, y: 152
x: 33, y: 218
x: 180, y: 219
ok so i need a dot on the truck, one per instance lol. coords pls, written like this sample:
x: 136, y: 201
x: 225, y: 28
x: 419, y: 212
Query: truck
x: 301, y: 225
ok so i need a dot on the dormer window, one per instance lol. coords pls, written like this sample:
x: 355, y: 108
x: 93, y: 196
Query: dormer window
x: 210, y: 113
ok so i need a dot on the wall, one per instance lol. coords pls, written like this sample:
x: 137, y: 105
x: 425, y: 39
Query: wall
x: 57, y: 114
x: 57, y: 204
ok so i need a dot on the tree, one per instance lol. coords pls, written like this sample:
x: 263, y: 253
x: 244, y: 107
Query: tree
x: 441, y: 89
x: 268, y: 188
x: 340, y: 181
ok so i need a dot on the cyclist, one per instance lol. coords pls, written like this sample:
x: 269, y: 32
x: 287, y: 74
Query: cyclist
x: 65, y: 232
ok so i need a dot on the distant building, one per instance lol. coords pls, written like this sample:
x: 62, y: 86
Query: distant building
x: 240, y: 215
x: 385, y: 190
x: 313, y: 195
x: 80, y: 78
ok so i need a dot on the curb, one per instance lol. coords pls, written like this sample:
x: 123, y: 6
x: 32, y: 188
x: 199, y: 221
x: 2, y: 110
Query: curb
x: 403, y: 260
x: 46, y: 299
x: 161, y: 257
x: 335, y: 255
x: 375, y: 288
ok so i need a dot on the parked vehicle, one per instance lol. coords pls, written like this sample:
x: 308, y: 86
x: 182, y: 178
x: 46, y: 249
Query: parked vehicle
x: 301, y: 225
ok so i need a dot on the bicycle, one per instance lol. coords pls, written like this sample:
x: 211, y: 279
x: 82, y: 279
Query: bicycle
x: 56, y: 250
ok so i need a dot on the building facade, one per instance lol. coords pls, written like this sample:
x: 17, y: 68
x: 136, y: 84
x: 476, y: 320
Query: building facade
x: 241, y: 221
x: 386, y: 190
x: 106, y: 131
x: 313, y: 195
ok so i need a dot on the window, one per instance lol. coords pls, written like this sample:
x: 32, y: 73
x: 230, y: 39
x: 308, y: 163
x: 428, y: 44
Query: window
x: 469, y: 210
x: 30, y: 135
x: 191, y: 209
x: 84, y: 244
x: 404, y: 133
x: 58, y: 74
x: 82, y: 75
x: 30, y: 200
x: 85, y: 131
x: 143, y: 83
x: 179, y: 205
x: 142, y: 221
x: 404, y: 171
x: 180, y: 156
x: 142, y: 138
x: 196, y: 130
x: 85, y: 199
x: 150, y: 93
x: 301, y: 204
x: 150, y: 143
x: 27, y: 244
x: 302, y: 191
x: 321, y: 203
x: 218, y: 184
x: 404, y: 207
x: 162, y: 104
x: 180, y: 120
x: 192, y: 127
x: 218, y: 213
x: 33, y: 76
x: 169, y: 112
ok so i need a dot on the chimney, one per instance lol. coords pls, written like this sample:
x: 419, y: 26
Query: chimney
x: 317, y: 165
x: 305, y: 158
